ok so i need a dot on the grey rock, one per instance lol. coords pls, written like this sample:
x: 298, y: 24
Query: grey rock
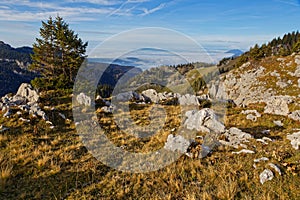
x: 266, y: 175
x: 244, y: 151
x: 235, y: 138
x: 129, y: 96
x: 7, y: 114
x: 27, y: 91
x: 152, y: 95
x: 107, y: 109
x: 278, y: 105
x: 177, y: 143
x: 18, y: 100
x: 275, y: 167
x: 62, y: 115
x: 261, y: 159
x: 83, y: 99
x: 281, y: 84
x: 278, y: 123
x: 188, y: 100
x: 299, y: 83
x: 295, y: 140
x: 295, y: 115
x: 204, y: 120
x: 275, y: 73
x: 24, y: 120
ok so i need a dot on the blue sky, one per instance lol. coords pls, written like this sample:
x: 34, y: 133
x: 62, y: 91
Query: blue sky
x: 215, y: 24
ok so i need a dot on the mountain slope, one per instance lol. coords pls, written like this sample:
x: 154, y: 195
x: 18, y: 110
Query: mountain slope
x: 14, y: 67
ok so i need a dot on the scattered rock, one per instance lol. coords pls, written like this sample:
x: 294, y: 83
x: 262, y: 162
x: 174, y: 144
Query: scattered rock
x: 267, y: 132
x: 275, y: 73
x: 262, y: 141
x: 281, y: 84
x: 295, y: 115
x: 24, y: 120
x: 244, y: 151
x: 7, y: 114
x: 276, y: 168
x: 278, y: 105
x: 204, y: 120
x: 107, y: 109
x: 278, y: 123
x: 251, y: 114
x: 295, y: 140
x: 83, y: 99
x: 261, y: 159
x: 266, y: 175
x: 177, y: 143
x: 48, y: 122
x: 188, y: 100
x: 152, y: 95
x: 62, y: 115
x: 27, y: 91
x: 235, y: 138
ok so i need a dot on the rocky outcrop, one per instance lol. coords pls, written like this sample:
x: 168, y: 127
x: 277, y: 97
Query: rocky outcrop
x: 204, y: 120
x: 278, y: 105
x: 26, y: 91
x: 83, y: 99
x: 177, y: 143
x: 266, y: 175
x: 235, y: 137
x: 295, y: 115
x: 188, y: 100
x: 25, y: 100
x: 153, y: 95
x: 251, y: 114
x: 295, y: 140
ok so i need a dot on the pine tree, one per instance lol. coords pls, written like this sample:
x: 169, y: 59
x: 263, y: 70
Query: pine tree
x: 58, y: 53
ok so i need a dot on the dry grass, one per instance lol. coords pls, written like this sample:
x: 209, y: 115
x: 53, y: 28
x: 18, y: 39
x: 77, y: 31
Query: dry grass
x: 54, y: 164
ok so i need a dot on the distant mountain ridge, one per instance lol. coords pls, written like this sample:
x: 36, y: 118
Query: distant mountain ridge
x: 235, y: 52
x: 14, y: 70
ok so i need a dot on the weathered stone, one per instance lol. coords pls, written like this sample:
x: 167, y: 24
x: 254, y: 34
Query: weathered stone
x: 83, y: 99
x: 26, y: 91
x: 188, y: 100
x: 295, y: 140
x: 177, y: 143
x: 278, y: 105
x: 107, y: 109
x: 152, y: 95
x: 62, y: 115
x: 266, y: 175
x: 275, y: 167
x: 244, y: 151
x: 275, y: 73
x: 129, y: 96
x: 278, y: 123
x: 281, y: 84
x: 7, y: 114
x: 235, y: 137
x: 203, y: 120
x: 261, y: 159
x: 295, y: 115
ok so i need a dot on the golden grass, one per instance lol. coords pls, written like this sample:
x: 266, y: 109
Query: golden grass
x: 54, y: 164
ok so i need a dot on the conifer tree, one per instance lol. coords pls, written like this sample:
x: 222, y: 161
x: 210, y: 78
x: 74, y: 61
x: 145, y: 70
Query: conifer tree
x: 58, y: 53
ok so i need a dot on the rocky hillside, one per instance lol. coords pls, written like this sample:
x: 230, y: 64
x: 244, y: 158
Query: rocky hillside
x: 273, y: 81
